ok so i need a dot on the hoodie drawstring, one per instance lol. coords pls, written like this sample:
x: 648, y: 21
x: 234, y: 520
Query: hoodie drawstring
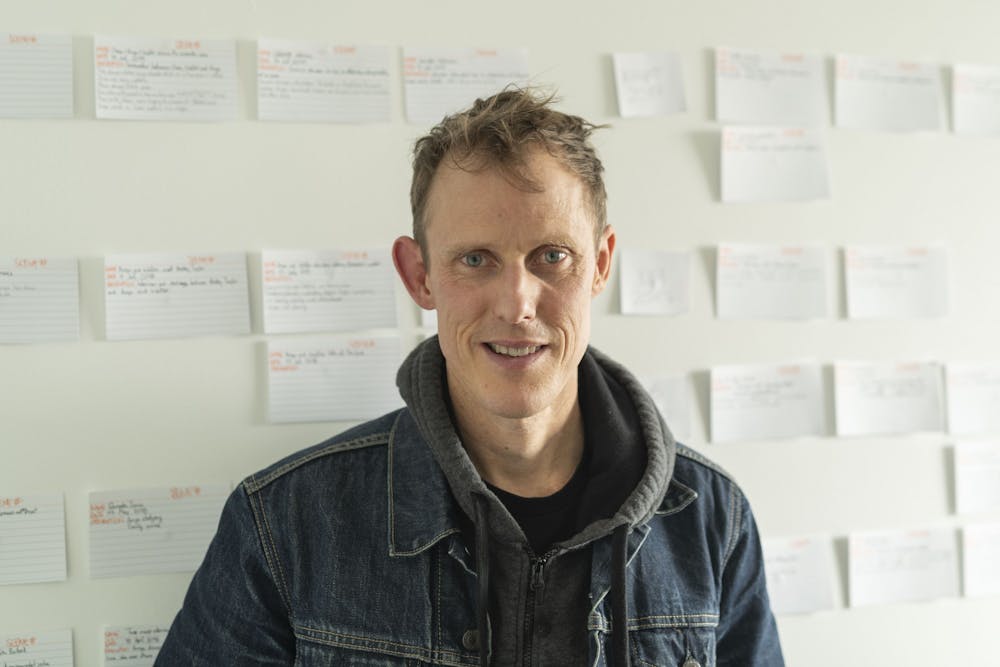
x: 483, y: 573
x: 619, y: 599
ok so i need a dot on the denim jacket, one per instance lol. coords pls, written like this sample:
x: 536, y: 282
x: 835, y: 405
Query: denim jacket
x: 350, y: 553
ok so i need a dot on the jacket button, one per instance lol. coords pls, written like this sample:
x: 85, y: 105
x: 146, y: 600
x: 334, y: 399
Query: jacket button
x: 691, y: 662
x: 470, y: 640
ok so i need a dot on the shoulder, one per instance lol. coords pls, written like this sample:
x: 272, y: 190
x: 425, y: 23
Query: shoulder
x: 360, y: 440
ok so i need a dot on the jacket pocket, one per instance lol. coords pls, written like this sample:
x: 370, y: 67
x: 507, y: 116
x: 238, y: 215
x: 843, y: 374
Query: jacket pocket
x: 690, y: 644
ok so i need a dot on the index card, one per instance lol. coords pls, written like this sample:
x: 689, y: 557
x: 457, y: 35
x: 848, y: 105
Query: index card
x: 39, y: 300
x: 317, y: 81
x: 136, y: 645
x: 799, y: 574
x: 764, y: 88
x: 980, y: 555
x: 672, y: 395
x: 977, y: 477
x: 766, y: 401
x: 337, y: 378
x: 32, y: 539
x: 883, y: 398
x: 171, y: 295
x: 152, y: 531
x: 655, y: 282
x: 902, y: 566
x: 165, y: 79
x: 888, y: 281
x: 761, y: 164
x: 973, y: 398
x: 776, y: 282
x: 888, y: 95
x: 333, y: 290
x: 442, y: 81
x: 37, y: 649
x: 976, y: 99
x: 36, y: 72
x: 649, y: 84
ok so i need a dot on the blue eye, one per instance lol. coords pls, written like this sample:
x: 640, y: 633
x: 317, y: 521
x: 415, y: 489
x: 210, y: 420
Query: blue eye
x: 473, y: 259
x: 553, y: 256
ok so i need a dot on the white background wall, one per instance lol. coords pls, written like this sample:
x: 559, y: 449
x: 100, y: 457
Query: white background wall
x: 94, y: 415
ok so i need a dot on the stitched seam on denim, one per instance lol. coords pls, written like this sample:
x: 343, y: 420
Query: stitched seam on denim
x: 689, y: 453
x: 253, y: 485
x: 653, y: 622
x: 270, y: 549
x: 437, y: 612
x: 687, y: 501
x: 736, y: 518
x: 368, y: 643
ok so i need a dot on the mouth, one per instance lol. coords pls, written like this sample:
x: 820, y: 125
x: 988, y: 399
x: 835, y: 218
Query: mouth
x: 514, y: 350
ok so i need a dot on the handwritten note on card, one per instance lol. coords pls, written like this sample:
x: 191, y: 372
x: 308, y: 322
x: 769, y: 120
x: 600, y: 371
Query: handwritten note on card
x: 32, y: 539
x: 800, y: 574
x: 165, y: 79
x: 136, y: 645
x: 980, y: 555
x: 341, y: 378
x: 884, y: 398
x: 320, y: 82
x: 977, y: 476
x: 888, y: 95
x: 175, y: 295
x: 39, y: 300
x: 655, y: 282
x: 902, y: 566
x: 973, y: 398
x: 440, y: 81
x: 776, y: 282
x: 896, y: 281
x: 976, y: 99
x: 649, y: 84
x: 763, y: 88
x: 328, y: 291
x: 764, y: 401
x: 37, y: 76
x: 152, y: 531
x: 37, y: 649
x: 761, y: 164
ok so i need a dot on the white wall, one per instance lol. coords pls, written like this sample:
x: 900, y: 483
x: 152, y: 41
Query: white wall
x: 95, y: 415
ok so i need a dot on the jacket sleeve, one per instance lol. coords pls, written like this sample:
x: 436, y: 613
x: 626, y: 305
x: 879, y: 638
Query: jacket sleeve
x: 747, y: 635
x: 235, y: 612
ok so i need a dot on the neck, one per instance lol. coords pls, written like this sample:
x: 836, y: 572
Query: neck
x: 531, y: 456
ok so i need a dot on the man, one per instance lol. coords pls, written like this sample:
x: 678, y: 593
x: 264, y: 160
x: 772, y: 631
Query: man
x: 528, y: 506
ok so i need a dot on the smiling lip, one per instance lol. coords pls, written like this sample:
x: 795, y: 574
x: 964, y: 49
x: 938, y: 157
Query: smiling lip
x: 514, y: 349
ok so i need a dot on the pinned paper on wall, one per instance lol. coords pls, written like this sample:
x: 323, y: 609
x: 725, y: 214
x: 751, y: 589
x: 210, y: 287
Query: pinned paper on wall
x: 973, y: 391
x: 36, y: 72
x: 335, y: 290
x: 888, y: 95
x: 442, y: 81
x: 902, y: 566
x: 758, y: 402
x: 39, y: 300
x: 153, y: 531
x: 37, y: 649
x: 976, y: 99
x: 896, y: 281
x: 768, y: 164
x: 772, y: 282
x: 672, y: 396
x: 136, y: 645
x: 32, y: 539
x: 321, y: 82
x: 142, y: 78
x: 335, y: 378
x: 649, y: 84
x: 886, y: 398
x: 799, y: 574
x: 980, y: 555
x: 173, y: 295
x: 767, y: 88
x: 977, y: 477
x: 655, y: 282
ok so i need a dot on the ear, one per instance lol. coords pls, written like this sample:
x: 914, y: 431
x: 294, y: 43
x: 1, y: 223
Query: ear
x: 410, y: 266
x: 602, y: 268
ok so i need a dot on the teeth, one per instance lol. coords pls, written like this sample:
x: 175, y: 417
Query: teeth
x: 514, y: 351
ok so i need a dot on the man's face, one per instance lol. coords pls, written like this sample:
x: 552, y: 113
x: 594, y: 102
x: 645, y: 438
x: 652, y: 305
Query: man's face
x: 512, y: 275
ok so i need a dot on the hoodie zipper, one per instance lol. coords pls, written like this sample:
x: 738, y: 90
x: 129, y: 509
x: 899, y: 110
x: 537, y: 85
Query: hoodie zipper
x: 536, y: 593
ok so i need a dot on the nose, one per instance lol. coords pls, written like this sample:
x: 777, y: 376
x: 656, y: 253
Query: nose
x: 516, y: 295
